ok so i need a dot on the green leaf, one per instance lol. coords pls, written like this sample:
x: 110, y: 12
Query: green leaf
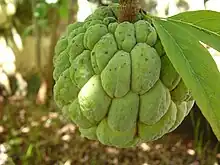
x: 204, y: 25
x: 196, y: 67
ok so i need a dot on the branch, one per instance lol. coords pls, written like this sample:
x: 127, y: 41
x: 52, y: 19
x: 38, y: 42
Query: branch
x: 128, y: 10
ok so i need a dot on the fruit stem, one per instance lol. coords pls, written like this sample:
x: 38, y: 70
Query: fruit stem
x: 128, y: 10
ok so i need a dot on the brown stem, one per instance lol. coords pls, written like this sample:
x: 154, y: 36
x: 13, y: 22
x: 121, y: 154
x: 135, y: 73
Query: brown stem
x: 53, y: 41
x: 38, y: 36
x: 70, y: 12
x: 128, y: 10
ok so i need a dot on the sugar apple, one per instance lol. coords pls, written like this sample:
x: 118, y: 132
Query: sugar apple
x: 115, y: 81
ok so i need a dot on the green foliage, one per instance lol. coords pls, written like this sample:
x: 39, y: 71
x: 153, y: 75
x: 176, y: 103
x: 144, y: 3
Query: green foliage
x: 203, y: 24
x: 181, y: 38
x: 40, y: 10
x: 109, y: 82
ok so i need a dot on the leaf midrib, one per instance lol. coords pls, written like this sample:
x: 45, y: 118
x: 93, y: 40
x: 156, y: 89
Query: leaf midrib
x: 193, y: 25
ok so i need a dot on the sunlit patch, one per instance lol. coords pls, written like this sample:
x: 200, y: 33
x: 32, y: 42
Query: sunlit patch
x: 51, y: 1
x: 53, y: 115
x: 7, y: 60
x: 3, y: 158
x: 69, y: 128
x: 66, y: 137
x: 22, y: 114
x: 48, y: 123
x: 68, y: 162
x: 145, y: 147
x: 145, y: 163
x: 10, y: 8
x: 25, y: 129
x: 217, y: 60
x: 17, y: 39
x: 44, y: 118
x: 191, y: 152
x: 2, y: 148
x: 158, y: 146
x: 178, y: 144
x: 112, y: 150
x: 95, y: 144
x: 196, y: 5
x: 213, y: 5
x: 35, y: 123
x: 1, y: 129
x: 115, y: 161
x: 3, y: 42
x: 214, y: 53
x: 85, y: 9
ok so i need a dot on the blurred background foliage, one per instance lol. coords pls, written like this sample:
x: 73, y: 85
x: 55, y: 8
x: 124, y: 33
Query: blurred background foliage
x: 32, y: 130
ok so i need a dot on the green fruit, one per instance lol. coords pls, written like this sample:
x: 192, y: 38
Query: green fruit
x: 157, y: 130
x: 89, y: 133
x: 168, y: 70
x: 115, y: 82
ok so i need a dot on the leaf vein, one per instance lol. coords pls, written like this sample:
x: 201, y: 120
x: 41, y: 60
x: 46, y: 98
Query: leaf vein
x: 193, y: 25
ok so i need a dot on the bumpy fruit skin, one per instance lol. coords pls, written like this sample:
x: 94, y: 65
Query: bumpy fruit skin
x: 115, y: 81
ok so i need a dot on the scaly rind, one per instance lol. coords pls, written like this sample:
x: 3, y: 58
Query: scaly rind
x: 152, y: 37
x: 189, y: 105
x: 75, y: 114
x: 103, y: 51
x: 156, y: 131
x: 61, y: 64
x: 110, y: 137
x: 75, y: 32
x: 123, y: 112
x: 154, y: 104
x: 146, y: 67
x: 93, y: 100
x: 94, y: 17
x: 65, y: 113
x: 92, y: 22
x: 168, y: 74
x: 104, y: 11
x: 81, y: 69
x: 125, y: 36
x: 65, y: 91
x: 109, y: 20
x: 116, y: 76
x: 145, y: 33
x: 76, y: 47
x: 100, y: 13
x: 181, y: 113
x: 93, y: 35
x: 180, y: 93
x: 159, y: 48
x: 60, y: 58
x: 128, y: 73
x: 89, y: 133
x: 115, y: 7
x: 112, y: 27
x: 61, y: 45
x: 73, y: 26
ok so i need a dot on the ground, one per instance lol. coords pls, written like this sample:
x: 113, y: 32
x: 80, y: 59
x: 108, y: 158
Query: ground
x: 33, y: 135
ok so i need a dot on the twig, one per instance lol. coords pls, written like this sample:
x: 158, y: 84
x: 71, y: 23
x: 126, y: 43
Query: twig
x: 128, y: 10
